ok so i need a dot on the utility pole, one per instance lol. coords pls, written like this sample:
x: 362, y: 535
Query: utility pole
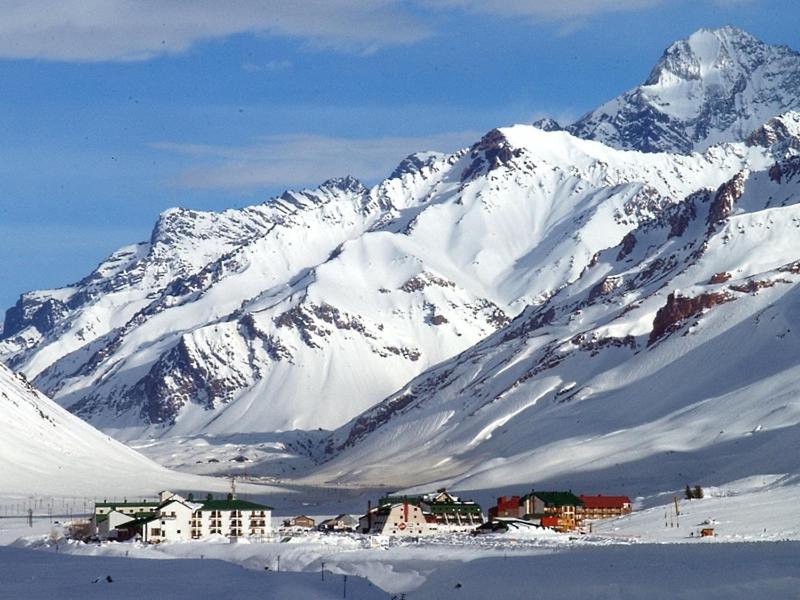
x: 322, y: 570
x: 344, y: 589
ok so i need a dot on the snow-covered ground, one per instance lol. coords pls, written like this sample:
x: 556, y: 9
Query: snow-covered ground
x: 628, y: 557
x: 37, y: 575
x: 554, y: 565
x: 754, y: 509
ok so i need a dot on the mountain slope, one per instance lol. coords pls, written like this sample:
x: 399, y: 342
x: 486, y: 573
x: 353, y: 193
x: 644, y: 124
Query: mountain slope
x: 339, y: 295
x: 717, y: 85
x: 46, y: 450
x: 673, y: 358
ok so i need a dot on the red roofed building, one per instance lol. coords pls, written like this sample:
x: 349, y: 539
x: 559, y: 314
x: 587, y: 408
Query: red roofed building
x: 508, y: 507
x: 605, y: 507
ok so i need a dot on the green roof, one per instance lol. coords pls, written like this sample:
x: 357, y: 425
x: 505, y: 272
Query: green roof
x: 399, y: 500
x: 556, y: 498
x: 464, y: 506
x: 233, y: 505
x: 138, y: 522
x: 456, y: 508
x: 100, y: 518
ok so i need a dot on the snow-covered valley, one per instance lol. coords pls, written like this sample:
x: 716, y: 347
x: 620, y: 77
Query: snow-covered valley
x: 612, y: 314
x: 643, y: 553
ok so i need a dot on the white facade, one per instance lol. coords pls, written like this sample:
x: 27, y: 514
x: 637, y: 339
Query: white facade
x: 173, y: 521
x: 180, y: 520
x: 402, y: 519
x: 112, y: 520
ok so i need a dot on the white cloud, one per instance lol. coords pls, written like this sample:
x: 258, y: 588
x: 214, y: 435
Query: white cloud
x: 269, y: 66
x: 546, y: 10
x: 100, y: 30
x: 301, y: 160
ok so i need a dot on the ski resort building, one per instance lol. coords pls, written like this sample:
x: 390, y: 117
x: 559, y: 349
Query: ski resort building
x: 300, y: 522
x: 605, y: 507
x: 446, y: 512
x: 175, y: 518
x: 399, y: 519
x: 343, y: 522
x: 506, y: 508
x: 560, y: 510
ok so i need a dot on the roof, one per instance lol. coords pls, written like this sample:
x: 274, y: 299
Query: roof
x: 455, y: 508
x: 556, y: 498
x: 233, y: 505
x: 136, y: 522
x: 126, y: 503
x: 399, y: 500
x: 604, y: 501
x: 440, y: 501
x: 345, y: 518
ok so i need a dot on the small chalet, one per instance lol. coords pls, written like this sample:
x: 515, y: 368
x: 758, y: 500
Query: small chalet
x: 300, y: 522
x: 559, y: 510
x: 343, y: 522
x: 448, y: 512
x: 605, y: 507
x: 398, y: 519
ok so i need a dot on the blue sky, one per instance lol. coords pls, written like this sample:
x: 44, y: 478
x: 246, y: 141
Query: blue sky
x: 112, y: 111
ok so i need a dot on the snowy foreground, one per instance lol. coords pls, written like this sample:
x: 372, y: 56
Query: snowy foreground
x: 651, y: 552
x: 428, y: 570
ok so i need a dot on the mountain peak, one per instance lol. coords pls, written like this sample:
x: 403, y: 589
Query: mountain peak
x: 717, y: 85
x: 706, y: 52
x: 348, y: 183
x: 547, y: 124
x: 414, y: 163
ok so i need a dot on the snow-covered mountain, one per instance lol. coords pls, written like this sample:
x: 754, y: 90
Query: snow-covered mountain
x: 46, y: 450
x: 673, y: 357
x: 312, y: 309
x: 717, y: 85
x: 307, y: 310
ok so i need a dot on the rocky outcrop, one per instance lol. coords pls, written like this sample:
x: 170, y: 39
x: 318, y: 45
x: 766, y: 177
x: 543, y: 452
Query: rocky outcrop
x: 679, y: 308
x: 490, y: 153
x: 728, y: 193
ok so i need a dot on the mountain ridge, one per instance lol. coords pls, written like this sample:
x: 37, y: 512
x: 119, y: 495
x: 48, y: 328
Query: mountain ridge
x: 442, y: 281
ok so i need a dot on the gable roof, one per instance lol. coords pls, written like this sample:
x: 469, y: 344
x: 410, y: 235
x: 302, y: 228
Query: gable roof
x: 126, y: 504
x: 605, y: 501
x: 234, y: 504
x: 556, y: 498
x: 138, y: 522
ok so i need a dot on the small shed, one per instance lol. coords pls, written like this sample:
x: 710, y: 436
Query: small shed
x: 301, y: 521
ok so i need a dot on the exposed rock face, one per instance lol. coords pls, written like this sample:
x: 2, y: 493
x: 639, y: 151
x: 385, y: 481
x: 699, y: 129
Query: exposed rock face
x: 678, y: 308
x: 548, y: 124
x: 628, y: 244
x: 720, y: 277
x: 725, y: 198
x: 491, y: 152
x: 783, y: 130
x: 43, y: 314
